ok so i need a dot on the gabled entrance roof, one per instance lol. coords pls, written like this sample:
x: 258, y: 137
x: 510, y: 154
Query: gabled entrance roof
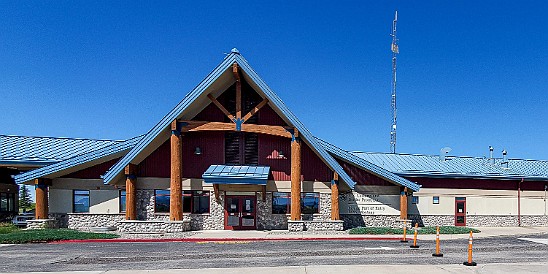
x: 215, y: 83
x: 226, y: 174
x: 219, y: 79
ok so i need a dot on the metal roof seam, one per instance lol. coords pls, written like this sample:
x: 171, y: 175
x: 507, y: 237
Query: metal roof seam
x: 347, y: 156
x: 76, y: 160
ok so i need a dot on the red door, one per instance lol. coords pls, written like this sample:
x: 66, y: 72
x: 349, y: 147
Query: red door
x: 460, y: 211
x: 240, y: 213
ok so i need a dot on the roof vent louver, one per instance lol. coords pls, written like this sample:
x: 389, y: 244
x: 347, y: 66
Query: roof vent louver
x: 443, y: 153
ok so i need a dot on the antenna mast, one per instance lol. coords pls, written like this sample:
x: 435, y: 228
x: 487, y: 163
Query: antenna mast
x: 395, y: 52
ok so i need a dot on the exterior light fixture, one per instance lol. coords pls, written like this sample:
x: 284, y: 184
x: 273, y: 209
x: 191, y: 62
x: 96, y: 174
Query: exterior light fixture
x: 198, y: 151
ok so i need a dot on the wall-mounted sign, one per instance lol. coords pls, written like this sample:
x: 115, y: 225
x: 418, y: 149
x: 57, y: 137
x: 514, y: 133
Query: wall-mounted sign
x: 369, y: 204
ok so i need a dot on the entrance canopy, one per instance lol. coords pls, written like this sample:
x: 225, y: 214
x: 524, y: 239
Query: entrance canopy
x: 227, y: 174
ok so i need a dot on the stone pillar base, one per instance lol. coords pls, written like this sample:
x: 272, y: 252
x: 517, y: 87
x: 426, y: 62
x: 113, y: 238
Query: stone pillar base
x: 144, y: 227
x: 41, y: 224
x: 328, y: 225
x: 295, y: 226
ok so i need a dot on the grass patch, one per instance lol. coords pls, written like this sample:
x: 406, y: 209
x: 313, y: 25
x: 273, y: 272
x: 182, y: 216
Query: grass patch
x: 6, y: 228
x: 50, y: 235
x: 422, y: 230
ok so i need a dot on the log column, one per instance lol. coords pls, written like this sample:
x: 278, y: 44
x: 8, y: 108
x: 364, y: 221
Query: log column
x: 403, y: 204
x: 296, y: 178
x: 335, y: 197
x: 131, y: 192
x: 176, y: 184
x: 41, y: 195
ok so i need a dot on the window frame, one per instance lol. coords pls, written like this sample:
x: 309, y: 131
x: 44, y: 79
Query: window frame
x: 187, y: 194
x: 120, y: 203
x: 162, y: 195
x: 74, y: 194
x: 287, y: 195
x: 415, y: 200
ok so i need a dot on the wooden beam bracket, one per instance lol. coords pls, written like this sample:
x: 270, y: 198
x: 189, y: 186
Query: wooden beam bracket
x: 255, y: 110
x: 221, y: 107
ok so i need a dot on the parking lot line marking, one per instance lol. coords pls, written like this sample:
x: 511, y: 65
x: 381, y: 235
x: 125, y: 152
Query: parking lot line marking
x: 535, y: 240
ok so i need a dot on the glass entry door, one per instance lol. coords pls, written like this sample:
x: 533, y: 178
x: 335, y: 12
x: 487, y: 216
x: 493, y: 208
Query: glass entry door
x: 460, y: 211
x: 240, y: 212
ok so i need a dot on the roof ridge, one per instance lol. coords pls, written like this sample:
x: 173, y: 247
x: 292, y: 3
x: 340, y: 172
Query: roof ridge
x: 63, y: 138
x: 454, y: 156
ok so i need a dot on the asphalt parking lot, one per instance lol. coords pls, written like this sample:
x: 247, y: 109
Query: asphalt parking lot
x: 231, y: 254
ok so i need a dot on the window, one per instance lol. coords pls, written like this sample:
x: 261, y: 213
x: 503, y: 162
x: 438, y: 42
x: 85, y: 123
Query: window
x: 7, y: 202
x: 196, y: 202
x: 310, y: 203
x: 161, y: 198
x: 122, y: 201
x: 414, y: 200
x: 80, y: 200
x: 436, y: 200
x: 281, y: 203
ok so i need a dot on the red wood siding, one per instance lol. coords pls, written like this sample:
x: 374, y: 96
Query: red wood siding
x: 211, y: 114
x: 362, y: 177
x: 489, y: 184
x: 93, y: 172
x: 267, y: 116
x: 313, y: 169
x: 269, y: 147
x: 212, y: 147
x: 158, y: 163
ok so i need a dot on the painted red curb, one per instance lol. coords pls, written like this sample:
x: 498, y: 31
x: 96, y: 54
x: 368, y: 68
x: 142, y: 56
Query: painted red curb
x: 194, y: 240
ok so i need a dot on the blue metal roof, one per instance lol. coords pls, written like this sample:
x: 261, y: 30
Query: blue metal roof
x: 227, y: 174
x: 458, y: 167
x: 368, y: 166
x: 103, y: 154
x: 40, y: 151
x: 276, y: 102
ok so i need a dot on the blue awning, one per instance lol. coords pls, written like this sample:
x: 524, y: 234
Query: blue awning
x: 226, y: 174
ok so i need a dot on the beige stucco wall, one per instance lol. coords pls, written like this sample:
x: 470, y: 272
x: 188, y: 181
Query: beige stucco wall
x: 479, y: 202
x: 103, y: 198
x: 60, y: 200
x: 371, y: 200
x: 381, y: 200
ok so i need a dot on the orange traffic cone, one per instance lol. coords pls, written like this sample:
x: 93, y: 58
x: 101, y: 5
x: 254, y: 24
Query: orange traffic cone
x: 404, y: 239
x: 470, y: 262
x: 415, y: 236
x: 437, y: 254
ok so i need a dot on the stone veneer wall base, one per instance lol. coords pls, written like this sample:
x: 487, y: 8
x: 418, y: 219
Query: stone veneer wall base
x: 131, y: 226
x: 327, y: 225
x: 87, y: 221
x: 41, y: 224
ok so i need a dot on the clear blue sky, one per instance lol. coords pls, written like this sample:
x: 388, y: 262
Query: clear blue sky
x: 470, y: 73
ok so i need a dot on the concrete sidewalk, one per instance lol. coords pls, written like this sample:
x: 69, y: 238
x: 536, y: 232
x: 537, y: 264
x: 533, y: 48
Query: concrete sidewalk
x: 347, y: 269
x: 272, y: 235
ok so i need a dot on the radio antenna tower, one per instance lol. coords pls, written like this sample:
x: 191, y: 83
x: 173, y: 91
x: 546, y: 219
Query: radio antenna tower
x: 395, y: 52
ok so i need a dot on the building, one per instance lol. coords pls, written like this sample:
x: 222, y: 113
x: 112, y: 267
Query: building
x: 23, y: 153
x: 231, y: 155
